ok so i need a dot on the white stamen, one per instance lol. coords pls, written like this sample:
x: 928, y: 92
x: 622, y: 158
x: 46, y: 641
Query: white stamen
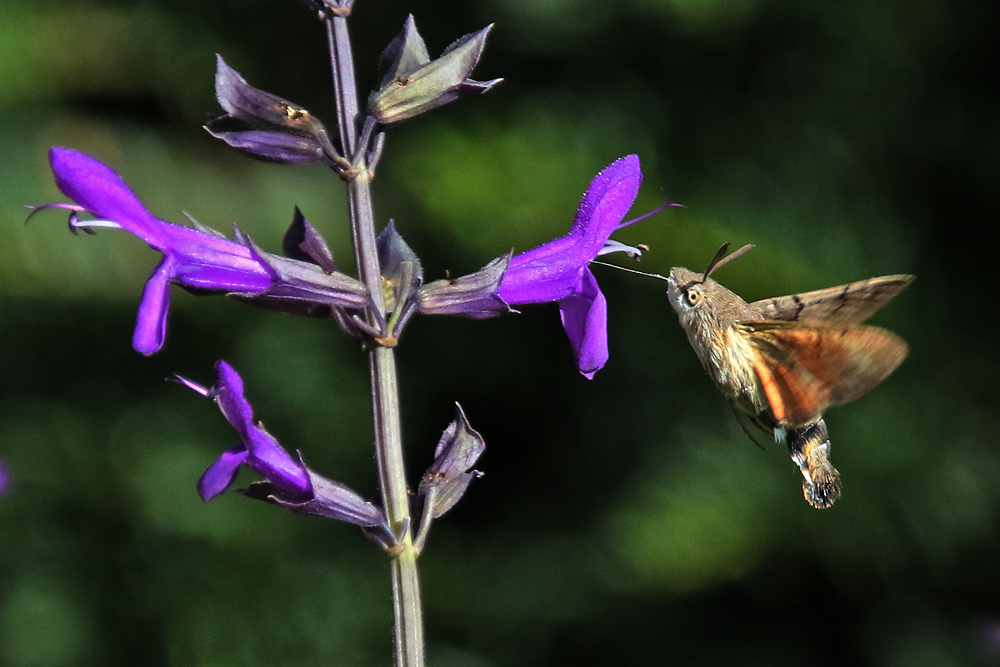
x: 88, y: 224
x: 204, y: 391
x: 611, y: 246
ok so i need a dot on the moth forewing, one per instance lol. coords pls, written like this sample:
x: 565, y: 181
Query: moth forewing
x: 846, y: 304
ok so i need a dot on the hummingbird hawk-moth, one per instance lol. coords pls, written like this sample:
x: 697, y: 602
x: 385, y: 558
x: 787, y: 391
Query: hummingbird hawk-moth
x: 783, y: 361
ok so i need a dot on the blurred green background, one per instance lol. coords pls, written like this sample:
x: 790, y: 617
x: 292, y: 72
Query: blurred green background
x: 625, y: 520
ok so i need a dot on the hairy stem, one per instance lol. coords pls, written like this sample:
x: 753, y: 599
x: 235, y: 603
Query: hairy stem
x: 409, y: 638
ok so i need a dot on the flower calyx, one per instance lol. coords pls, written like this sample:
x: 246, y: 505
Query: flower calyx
x: 402, y: 276
x: 473, y: 295
x: 268, y: 127
x: 412, y: 83
x: 301, y: 287
x: 447, y: 479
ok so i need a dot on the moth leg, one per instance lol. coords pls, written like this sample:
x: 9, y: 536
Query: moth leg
x: 809, y: 448
x: 741, y: 420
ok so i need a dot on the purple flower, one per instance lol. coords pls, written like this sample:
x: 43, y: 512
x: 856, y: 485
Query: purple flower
x: 196, y: 259
x: 257, y: 449
x: 287, y: 480
x: 558, y: 271
x: 6, y: 481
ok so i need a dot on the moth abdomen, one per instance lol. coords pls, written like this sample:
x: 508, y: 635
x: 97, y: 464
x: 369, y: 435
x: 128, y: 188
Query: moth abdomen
x: 809, y: 448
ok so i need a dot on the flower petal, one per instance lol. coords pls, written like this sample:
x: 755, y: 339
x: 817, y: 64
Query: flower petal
x: 585, y: 317
x: 274, y: 464
x: 221, y: 473
x: 232, y: 402
x: 607, y: 200
x: 151, y: 322
x: 97, y: 188
x: 552, y: 271
x: 265, y: 455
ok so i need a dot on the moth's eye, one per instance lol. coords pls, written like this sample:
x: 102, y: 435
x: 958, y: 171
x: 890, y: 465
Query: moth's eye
x: 693, y: 295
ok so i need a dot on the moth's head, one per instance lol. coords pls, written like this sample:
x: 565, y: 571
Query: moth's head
x: 695, y: 296
x: 687, y: 292
x: 685, y: 289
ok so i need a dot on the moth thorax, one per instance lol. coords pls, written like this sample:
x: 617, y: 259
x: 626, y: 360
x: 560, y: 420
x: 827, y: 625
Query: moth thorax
x: 731, y: 366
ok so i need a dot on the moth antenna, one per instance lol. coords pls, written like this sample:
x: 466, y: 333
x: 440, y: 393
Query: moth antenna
x: 622, y: 268
x: 715, y: 260
x: 719, y: 260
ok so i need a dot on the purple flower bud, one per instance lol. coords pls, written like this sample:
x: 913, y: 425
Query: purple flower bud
x: 266, y: 126
x: 412, y: 83
x: 197, y: 259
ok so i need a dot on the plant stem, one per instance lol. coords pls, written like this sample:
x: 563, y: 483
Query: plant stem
x: 409, y: 637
